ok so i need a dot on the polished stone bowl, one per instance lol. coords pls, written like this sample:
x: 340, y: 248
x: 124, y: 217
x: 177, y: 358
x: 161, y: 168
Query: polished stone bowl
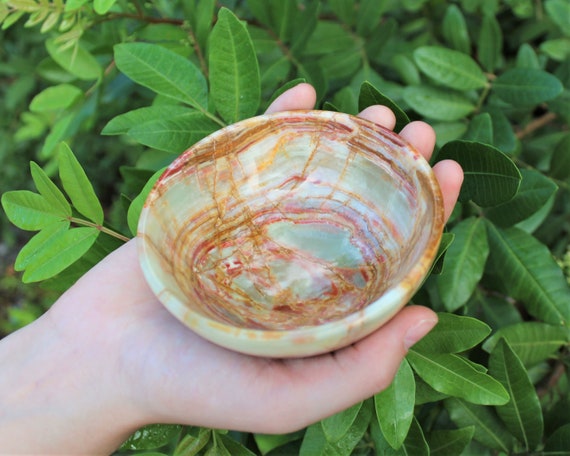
x: 291, y: 234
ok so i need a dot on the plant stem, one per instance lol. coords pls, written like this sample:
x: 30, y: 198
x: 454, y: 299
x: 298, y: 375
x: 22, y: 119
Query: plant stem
x: 101, y: 228
x: 537, y: 123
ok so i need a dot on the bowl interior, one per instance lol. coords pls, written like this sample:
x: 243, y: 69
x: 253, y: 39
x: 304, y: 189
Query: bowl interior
x: 289, y: 220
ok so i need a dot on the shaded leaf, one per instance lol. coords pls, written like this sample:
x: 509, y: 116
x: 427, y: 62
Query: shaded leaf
x: 415, y: 443
x: 164, y: 72
x: 534, y: 192
x: 453, y: 334
x: 174, y: 134
x: 368, y: 16
x: 526, y: 86
x: 438, y: 103
x: 268, y: 442
x: 450, y: 68
x: 557, y: 443
x: 490, y: 43
x: 447, y: 373
x: 446, y: 240
x: 560, y: 161
x: 395, y: 406
x: 480, y: 129
x: 455, y: 31
x: 449, y: 442
x: 522, y: 414
x: 61, y: 250
x: 233, y: 447
x: 191, y: 445
x: 137, y: 204
x: 78, y: 187
x: 491, y: 177
x: 464, y: 263
x: 530, y: 274
x: 234, y: 71
x: 369, y: 96
x: 76, y: 60
x: 532, y: 341
x: 337, y: 425
x: 489, y: 430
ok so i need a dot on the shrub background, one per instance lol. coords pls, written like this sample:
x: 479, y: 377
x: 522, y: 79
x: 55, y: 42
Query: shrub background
x: 491, y: 76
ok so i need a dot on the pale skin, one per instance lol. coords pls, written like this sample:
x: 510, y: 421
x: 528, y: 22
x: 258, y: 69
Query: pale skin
x: 107, y: 358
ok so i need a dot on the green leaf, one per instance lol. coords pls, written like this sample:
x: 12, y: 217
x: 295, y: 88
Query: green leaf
x: 450, y: 68
x: 368, y: 17
x: 527, y: 58
x: 55, y: 98
x: 103, y: 6
x: 191, y: 445
x: 281, y: 90
x: 137, y: 204
x: 122, y: 123
x: 532, y: 341
x: 395, y: 406
x: 557, y: 49
x: 448, y: 442
x: 504, y: 137
x: 61, y: 250
x: 455, y: 31
x: 559, y: 12
x: 534, y: 192
x: 152, y: 437
x: 449, y: 374
x: 530, y: 274
x: 438, y: 103
x: 164, y: 72
x: 464, y: 263
x: 490, y: 43
x: 78, y: 187
x: 76, y: 60
x: 268, y: 442
x: 526, y: 86
x: 30, y: 211
x: 480, y: 129
x: 232, y: 447
x: 37, y: 243
x: 337, y: 425
x: 453, y: 334
x: 557, y: 443
x: 234, y: 71
x: 560, y: 161
x: 49, y: 190
x: 489, y: 430
x: 315, y: 441
x: 491, y: 177
x: 174, y: 134
x: 369, y: 96
x: 446, y: 240
x: 415, y: 443
x: 407, y: 70
x: 522, y: 414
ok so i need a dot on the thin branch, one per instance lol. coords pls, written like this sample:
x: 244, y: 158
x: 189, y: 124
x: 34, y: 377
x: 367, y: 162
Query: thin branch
x: 536, y: 124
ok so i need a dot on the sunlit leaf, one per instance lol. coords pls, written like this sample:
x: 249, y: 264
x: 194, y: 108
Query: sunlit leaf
x: 234, y: 71
x: 164, y: 72
x: 491, y: 177
x: 448, y: 374
x: 78, y: 187
x: 37, y: 243
x: 453, y: 334
x: 337, y: 425
x: 55, y: 98
x: 31, y: 211
x: 438, y: 103
x: 395, y: 406
x: 522, y: 414
x: 450, y: 68
x: 137, y: 204
x: 49, y: 190
x: 77, y: 60
x: 530, y: 274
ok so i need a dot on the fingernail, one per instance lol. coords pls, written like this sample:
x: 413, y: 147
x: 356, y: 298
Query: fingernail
x: 419, y: 330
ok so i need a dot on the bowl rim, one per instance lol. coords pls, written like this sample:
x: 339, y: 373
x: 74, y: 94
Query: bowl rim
x: 307, y: 340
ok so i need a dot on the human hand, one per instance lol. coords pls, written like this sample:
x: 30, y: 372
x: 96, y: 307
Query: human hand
x: 127, y: 362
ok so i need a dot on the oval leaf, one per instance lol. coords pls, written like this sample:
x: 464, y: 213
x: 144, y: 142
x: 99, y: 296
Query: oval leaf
x: 164, y: 72
x: 395, y: 406
x: 532, y: 341
x: 522, y: 414
x: 234, y: 71
x: 450, y: 68
x: 76, y: 60
x: 437, y: 103
x: 530, y: 274
x: 453, y: 334
x: 30, y: 211
x: 449, y: 374
x: 527, y: 86
x: 491, y: 177
x: 55, y: 98
x: 78, y: 187
x: 455, y: 31
x: 464, y: 263
x: 337, y: 425
x: 534, y: 192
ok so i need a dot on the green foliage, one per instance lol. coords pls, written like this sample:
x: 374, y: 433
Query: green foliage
x: 130, y: 85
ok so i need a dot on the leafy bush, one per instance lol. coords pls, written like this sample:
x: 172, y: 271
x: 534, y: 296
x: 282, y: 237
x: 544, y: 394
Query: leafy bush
x: 129, y: 86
